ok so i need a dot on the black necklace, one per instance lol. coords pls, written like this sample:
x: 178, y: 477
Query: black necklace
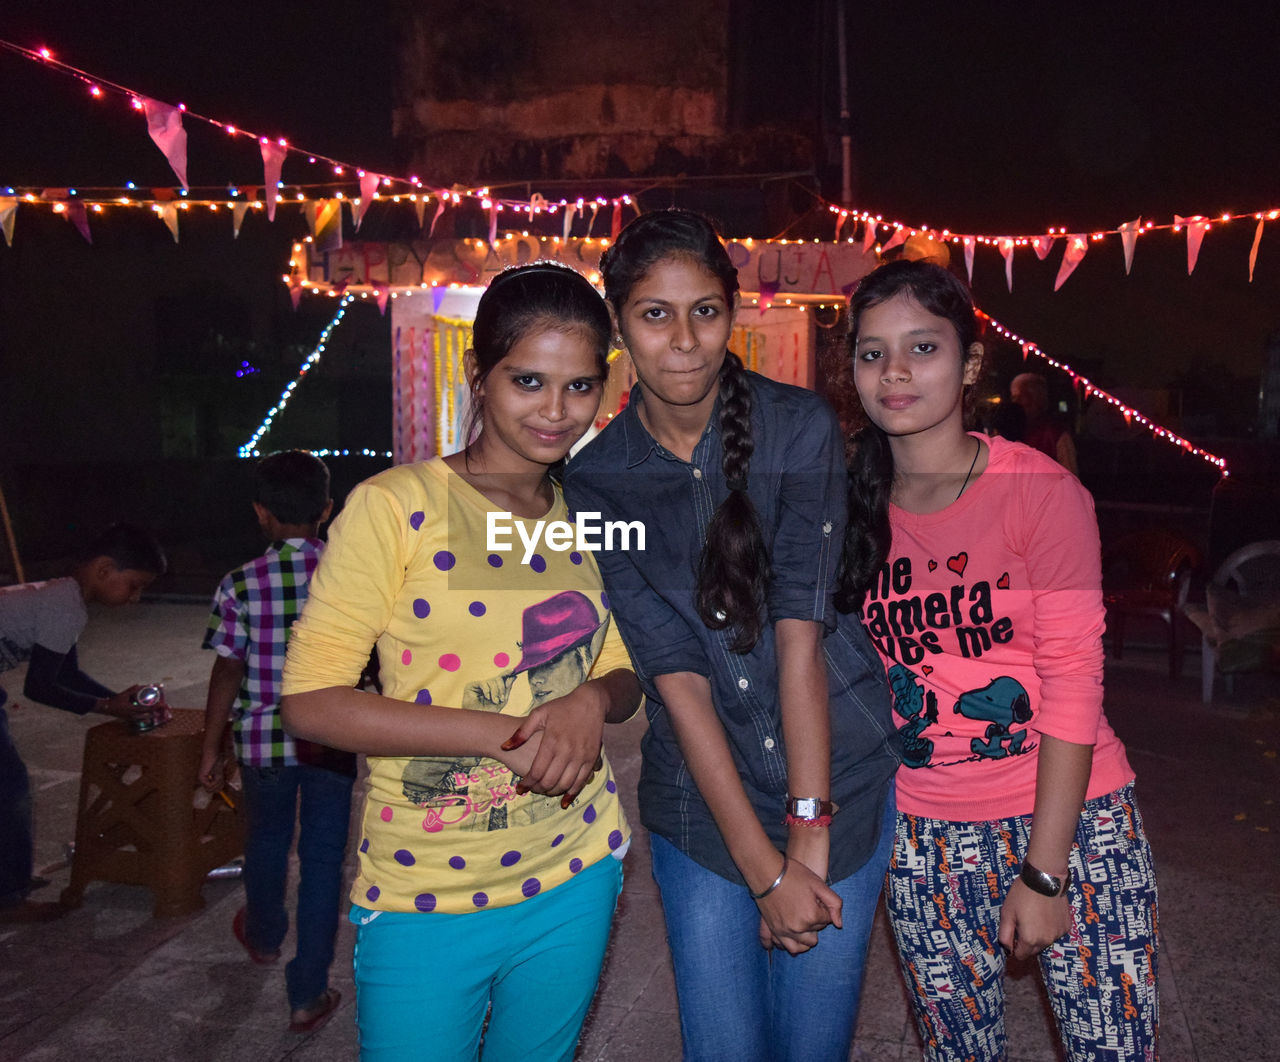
x: 977, y: 449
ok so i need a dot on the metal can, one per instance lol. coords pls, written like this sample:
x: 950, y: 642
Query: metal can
x: 150, y: 696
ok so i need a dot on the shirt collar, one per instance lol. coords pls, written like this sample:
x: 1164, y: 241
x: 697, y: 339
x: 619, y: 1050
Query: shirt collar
x: 284, y: 545
x: 639, y: 444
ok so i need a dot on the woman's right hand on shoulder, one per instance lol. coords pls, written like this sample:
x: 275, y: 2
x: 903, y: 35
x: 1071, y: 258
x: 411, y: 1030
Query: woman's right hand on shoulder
x: 793, y: 914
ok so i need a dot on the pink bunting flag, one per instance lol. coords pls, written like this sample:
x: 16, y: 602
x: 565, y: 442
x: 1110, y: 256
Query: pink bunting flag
x: 273, y: 154
x: 1129, y: 238
x: 493, y: 225
x: 75, y: 213
x: 868, y: 235
x: 569, y: 212
x: 1196, y: 228
x: 164, y: 123
x: 615, y: 223
x: 1043, y: 245
x: 169, y: 215
x: 368, y: 185
x: 436, y: 216
x: 898, y: 238
x: 1077, y: 248
x: 8, y: 212
x: 968, y: 242
x: 295, y: 290
x: 595, y: 209
x: 382, y: 292
x: 768, y: 289
x: 1253, y: 251
x: 841, y: 218
x: 238, y: 211
x: 1006, y: 248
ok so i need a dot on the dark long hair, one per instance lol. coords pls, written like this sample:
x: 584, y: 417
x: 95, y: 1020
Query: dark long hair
x: 871, y: 470
x: 733, y: 570
x: 523, y: 299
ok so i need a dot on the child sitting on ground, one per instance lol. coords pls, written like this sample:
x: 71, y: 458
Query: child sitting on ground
x: 253, y: 611
x: 40, y: 624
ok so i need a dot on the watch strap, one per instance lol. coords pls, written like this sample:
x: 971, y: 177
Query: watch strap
x: 809, y: 808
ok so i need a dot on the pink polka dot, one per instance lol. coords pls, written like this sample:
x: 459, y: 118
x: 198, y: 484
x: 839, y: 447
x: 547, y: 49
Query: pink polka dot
x: 501, y: 660
x: 386, y: 814
x: 406, y: 658
x: 450, y: 662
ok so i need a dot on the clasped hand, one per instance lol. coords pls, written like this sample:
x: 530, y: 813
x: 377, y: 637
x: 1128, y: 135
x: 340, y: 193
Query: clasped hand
x: 557, y: 747
x: 793, y: 914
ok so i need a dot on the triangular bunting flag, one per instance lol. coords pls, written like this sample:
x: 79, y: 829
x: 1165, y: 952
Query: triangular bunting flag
x: 868, y: 235
x: 1077, y: 248
x: 238, y: 211
x: 8, y: 212
x: 436, y: 216
x: 420, y: 208
x: 76, y: 215
x: 569, y: 213
x: 169, y: 215
x: 1006, y: 249
x: 493, y: 225
x: 1129, y: 237
x: 898, y: 238
x: 1043, y: 245
x: 164, y: 123
x: 841, y: 217
x: 382, y: 293
x: 615, y: 222
x: 968, y: 242
x: 272, y: 163
x: 1253, y: 251
x: 368, y: 185
x: 1196, y: 228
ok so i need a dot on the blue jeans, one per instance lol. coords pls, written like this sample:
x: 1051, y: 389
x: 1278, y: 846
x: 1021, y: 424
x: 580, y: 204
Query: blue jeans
x: 739, y: 1001
x: 271, y: 803
x: 16, y: 836
x: 425, y: 981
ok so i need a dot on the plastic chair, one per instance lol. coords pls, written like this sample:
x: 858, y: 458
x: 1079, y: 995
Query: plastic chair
x: 1148, y: 573
x: 1250, y: 578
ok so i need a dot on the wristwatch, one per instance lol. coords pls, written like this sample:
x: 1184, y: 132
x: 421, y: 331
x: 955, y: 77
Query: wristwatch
x: 809, y: 807
x: 1045, y: 884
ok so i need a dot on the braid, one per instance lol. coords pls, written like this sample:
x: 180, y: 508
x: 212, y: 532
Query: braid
x: 867, y: 534
x: 734, y: 567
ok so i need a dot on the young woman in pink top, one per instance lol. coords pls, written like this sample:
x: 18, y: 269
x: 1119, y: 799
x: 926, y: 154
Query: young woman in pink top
x: 976, y: 565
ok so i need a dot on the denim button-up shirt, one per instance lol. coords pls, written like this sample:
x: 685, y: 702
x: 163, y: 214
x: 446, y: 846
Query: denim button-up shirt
x: 797, y: 483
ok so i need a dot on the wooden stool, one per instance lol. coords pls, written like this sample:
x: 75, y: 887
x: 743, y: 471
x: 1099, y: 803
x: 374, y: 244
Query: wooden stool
x: 137, y: 824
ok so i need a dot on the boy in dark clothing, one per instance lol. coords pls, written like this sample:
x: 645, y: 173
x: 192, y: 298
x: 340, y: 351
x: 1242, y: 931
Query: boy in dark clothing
x: 253, y: 610
x: 40, y: 624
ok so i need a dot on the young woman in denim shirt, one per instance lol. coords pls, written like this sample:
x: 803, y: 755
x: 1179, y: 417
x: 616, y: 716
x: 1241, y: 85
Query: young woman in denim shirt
x: 766, y: 782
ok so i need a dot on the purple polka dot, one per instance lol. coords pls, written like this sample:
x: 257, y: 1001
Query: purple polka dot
x: 476, y: 608
x: 538, y: 563
x: 531, y: 887
x: 405, y: 858
x: 615, y: 840
x: 510, y: 859
x: 420, y: 608
x: 424, y: 902
x: 444, y: 560
x: 457, y: 862
x: 364, y: 845
x: 415, y: 519
x: 495, y: 561
x: 450, y: 662
x: 589, y: 816
x: 480, y: 899
x: 556, y: 842
x: 422, y: 697
x: 604, y: 600
x: 611, y: 786
x: 575, y: 865
x: 576, y: 557
x: 374, y: 892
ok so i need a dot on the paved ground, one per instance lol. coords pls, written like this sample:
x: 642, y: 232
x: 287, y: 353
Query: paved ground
x: 110, y: 982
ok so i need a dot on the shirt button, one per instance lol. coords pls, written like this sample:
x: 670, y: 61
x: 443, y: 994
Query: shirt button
x: 768, y: 743
x: 826, y: 528
x: 697, y: 473
x: 743, y: 684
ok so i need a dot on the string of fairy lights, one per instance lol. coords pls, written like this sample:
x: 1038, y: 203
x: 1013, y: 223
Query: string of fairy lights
x: 77, y: 203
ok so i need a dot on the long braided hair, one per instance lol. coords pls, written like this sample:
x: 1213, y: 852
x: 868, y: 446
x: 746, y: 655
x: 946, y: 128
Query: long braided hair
x: 733, y: 569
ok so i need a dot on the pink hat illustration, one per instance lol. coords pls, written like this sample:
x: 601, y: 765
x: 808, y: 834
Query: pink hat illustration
x: 555, y: 625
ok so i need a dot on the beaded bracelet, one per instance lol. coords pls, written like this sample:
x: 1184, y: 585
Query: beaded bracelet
x: 776, y: 882
x: 796, y: 820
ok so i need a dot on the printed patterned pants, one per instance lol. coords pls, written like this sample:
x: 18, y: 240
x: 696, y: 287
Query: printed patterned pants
x: 945, y: 886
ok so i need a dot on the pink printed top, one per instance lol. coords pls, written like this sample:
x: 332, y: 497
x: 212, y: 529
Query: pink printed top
x: 989, y: 617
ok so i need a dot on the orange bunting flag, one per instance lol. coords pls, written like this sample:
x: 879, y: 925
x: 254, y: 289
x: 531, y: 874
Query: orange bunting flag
x: 420, y: 208
x: 169, y: 215
x: 1196, y: 228
x: 238, y: 211
x: 1129, y: 238
x: 841, y: 217
x: 368, y: 185
x: 164, y: 123
x: 8, y: 212
x: 1077, y: 248
x: 1043, y: 245
x: 1253, y: 251
x: 868, y: 236
x: 968, y: 242
x: 273, y: 155
x: 1006, y: 249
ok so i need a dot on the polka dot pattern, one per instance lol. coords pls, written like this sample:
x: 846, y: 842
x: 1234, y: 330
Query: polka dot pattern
x: 501, y: 660
x: 575, y: 865
x: 480, y: 899
x: 444, y: 560
x: 425, y: 902
x: 450, y: 662
x: 538, y: 563
x: 510, y: 859
x: 589, y: 815
x: 420, y: 608
x: 575, y: 557
x: 604, y: 600
x: 615, y: 840
x: 611, y: 786
x: 406, y: 658
x: 405, y: 858
x: 364, y: 845
x: 422, y: 697
x: 476, y: 608
x: 415, y: 519
x: 457, y: 862
x: 385, y: 814
x: 531, y: 887
x: 373, y: 893
x: 559, y: 838
x: 495, y: 561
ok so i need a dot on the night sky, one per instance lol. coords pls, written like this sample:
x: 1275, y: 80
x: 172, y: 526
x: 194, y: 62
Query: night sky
x: 990, y: 118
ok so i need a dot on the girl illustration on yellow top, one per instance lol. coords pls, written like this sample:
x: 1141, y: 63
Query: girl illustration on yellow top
x: 491, y: 835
